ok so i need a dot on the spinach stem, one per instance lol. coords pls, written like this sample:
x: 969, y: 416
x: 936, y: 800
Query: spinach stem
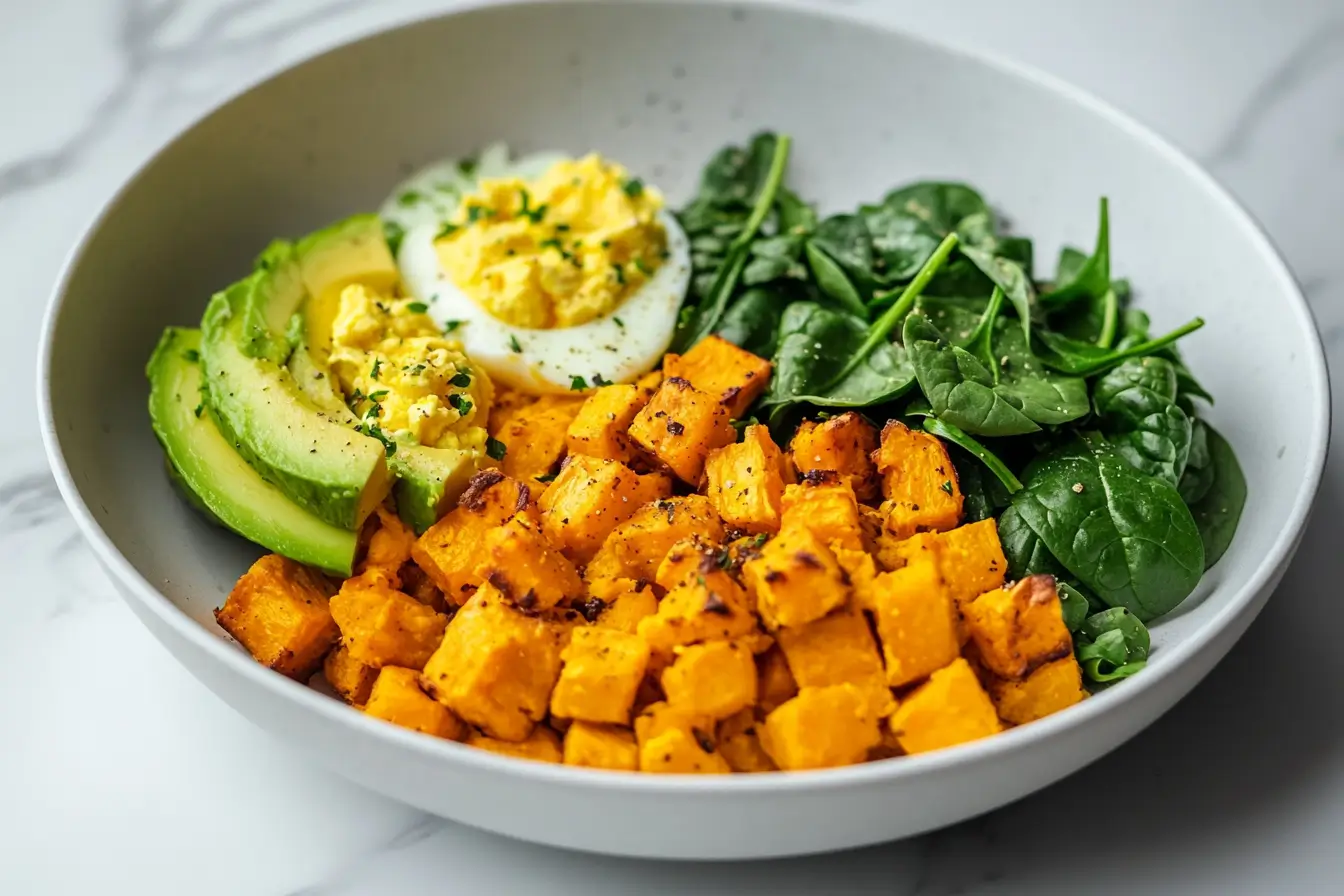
x: 981, y: 341
x: 954, y: 434
x: 882, y: 327
x: 1109, y: 319
x: 1143, y: 348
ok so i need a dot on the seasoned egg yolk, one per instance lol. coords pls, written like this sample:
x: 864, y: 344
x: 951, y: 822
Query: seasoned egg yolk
x: 403, y: 377
x: 557, y: 251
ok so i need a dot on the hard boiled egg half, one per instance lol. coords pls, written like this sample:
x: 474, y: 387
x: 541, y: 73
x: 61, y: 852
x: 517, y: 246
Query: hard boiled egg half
x: 555, y: 273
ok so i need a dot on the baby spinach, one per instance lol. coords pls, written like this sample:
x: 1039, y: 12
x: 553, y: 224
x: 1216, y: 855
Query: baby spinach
x: 1199, y: 472
x: 981, y: 341
x: 1084, y: 292
x: 1073, y: 604
x: 1008, y: 276
x: 1086, y: 359
x: 949, y: 433
x: 1135, y: 330
x: 1137, y: 412
x: 1127, y: 536
x: 1112, y: 644
x: 752, y: 321
x: 833, y: 282
x: 1218, y: 512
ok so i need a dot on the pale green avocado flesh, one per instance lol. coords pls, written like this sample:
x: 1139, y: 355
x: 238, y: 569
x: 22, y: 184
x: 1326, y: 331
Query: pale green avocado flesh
x: 220, y: 480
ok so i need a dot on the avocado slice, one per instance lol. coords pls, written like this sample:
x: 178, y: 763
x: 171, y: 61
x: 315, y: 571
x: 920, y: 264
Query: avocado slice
x: 266, y: 313
x: 350, y: 251
x: 215, y: 475
x: 323, y: 465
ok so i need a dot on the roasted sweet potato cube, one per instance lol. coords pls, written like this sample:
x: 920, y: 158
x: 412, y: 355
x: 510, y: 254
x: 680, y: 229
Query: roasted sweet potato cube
x: 1051, y: 687
x: 389, y: 546
x: 694, y: 613
x: 738, y: 739
x: 950, y: 708
x: 522, y: 565
x: 970, y: 558
x: 862, y: 571
x: 745, y: 481
x: 348, y: 677
x: 825, y: 504
x: 715, y: 679
x: 693, y: 560
x: 622, y: 603
x: 542, y: 745
x: 601, y: 746
x: 591, y: 497
x: 837, y: 649
x: 916, y: 622
x: 396, y: 697
x: 662, y: 716
x: 821, y: 728
x: 1019, y: 628
x: 734, y: 376
x: 496, y: 666
x: 278, y: 610
x: 535, y: 435
x: 602, y: 671
x: 843, y: 445
x: 676, y: 740
x: 636, y: 548
x: 796, y: 579
x: 599, y: 429
x: 918, y: 480
x: 450, y: 550
x: 774, y: 680
x: 383, y: 627
x: 680, y: 426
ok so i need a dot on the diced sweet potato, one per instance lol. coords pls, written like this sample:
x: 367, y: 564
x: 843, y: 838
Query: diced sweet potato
x: 649, y: 383
x: 970, y: 558
x: 821, y: 728
x: 624, y: 602
x: 1019, y: 628
x: 599, y: 429
x: 774, y: 680
x: 278, y: 611
x: 496, y: 666
x: 918, y: 480
x: 660, y: 717
x: 389, y: 546
x: 842, y: 444
x: 601, y: 746
x: 522, y: 565
x: 602, y: 671
x: 505, y: 403
x: 680, y: 426
x: 590, y: 498
x: 733, y: 376
x: 542, y: 745
x: 825, y: 504
x: 450, y: 550
x: 396, y: 697
x: 383, y: 627
x: 635, y: 548
x: 746, y: 481
x: 715, y: 679
x: 348, y: 677
x: 916, y: 622
x: 417, y: 583
x: 862, y: 571
x: 837, y: 649
x: 534, y: 435
x: 694, y: 613
x: 1051, y: 687
x: 694, y: 561
x: 950, y: 708
x: 796, y: 579
x: 738, y: 739
x: 677, y: 741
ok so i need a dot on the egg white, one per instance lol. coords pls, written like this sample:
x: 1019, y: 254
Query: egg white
x: 616, y: 348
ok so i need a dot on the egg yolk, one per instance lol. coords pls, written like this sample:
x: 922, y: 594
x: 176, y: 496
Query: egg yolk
x: 403, y: 377
x: 558, y: 251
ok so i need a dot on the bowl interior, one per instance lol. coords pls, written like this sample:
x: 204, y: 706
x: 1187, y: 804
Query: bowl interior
x: 660, y: 87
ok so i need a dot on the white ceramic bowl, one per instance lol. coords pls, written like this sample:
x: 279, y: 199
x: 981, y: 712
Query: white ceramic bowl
x: 660, y: 86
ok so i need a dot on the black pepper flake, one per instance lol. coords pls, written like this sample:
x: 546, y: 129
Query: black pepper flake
x: 809, y: 559
x: 591, y: 608
x: 704, y: 740
x: 714, y: 604
x: 675, y: 428
x: 528, y: 601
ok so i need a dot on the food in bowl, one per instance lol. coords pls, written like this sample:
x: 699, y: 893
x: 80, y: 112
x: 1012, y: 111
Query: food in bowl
x: 549, y: 470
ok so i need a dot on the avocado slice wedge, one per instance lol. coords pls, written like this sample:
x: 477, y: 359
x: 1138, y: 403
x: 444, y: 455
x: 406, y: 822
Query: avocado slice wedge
x: 225, y: 485
x: 319, y: 462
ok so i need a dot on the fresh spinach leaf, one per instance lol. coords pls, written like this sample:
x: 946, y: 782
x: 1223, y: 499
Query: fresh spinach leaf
x: 1218, y: 512
x: 796, y: 216
x: 1112, y: 644
x: 1137, y: 413
x: 1199, y: 471
x: 1023, y: 549
x: 775, y: 258
x: 1128, y: 537
x: 1086, y: 359
x: 1135, y: 331
x: 1008, y: 276
x: 950, y: 433
x: 833, y: 282
x: 981, y: 341
x: 1073, y: 604
x: 845, y: 240
x: 1079, y: 276
x: 752, y: 321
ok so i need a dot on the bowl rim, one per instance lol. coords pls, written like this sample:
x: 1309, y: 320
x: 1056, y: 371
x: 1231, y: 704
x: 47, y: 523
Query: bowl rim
x: 1012, y: 741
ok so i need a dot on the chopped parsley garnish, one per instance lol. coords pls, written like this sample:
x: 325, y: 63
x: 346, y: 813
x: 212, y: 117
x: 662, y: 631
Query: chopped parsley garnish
x: 378, y: 396
x: 600, y: 380
x: 619, y: 271
x: 561, y: 228
x: 605, y: 244
x: 495, y: 448
x: 467, y: 167
x: 410, y: 197
x: 578, y: 384
x: 476, y: 212
x: 417, y: 307
x: 389, y: 446
x: 619, y: 322
x: 643, y: 267
x: 413, y: 369
x: 451, y: 325
x: 946, y: 486
x: 461, y: 379
x: 545, y: 477
x: 460, y: 403
x: 356, y: 396
x: 514, y: 346
x: 551, y: 243
x: 393, y: 233
x: 448, y: 229
x: 199, y: 408
x: 192, y: 355
x: 634, y: 187
x: 377, y: 364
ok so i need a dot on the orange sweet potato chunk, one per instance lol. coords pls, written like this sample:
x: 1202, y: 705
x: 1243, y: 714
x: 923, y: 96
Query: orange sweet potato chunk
x: 348, y: 677
x: 602, y: 671
x: 916, y: 622
x: 599, y: 428
x: 733, y: 376
x: 521, y: 564
x: 396, y: 697
x: 278, y: 610
x: 542, y: 745
x: 843, y: 445
x: 775, y: 684
x: 738, y: 739
x: 383, y: 627
x: 1051, y: 687
x: 970, y: 558
x: 601, y: 746
x: 450, y: 550
x: 592, y: 496
x: 622, y: 603
x: 821, y: 728
x: 680, y: 426
x: 745, y: 481
x: 693, y: 613
x: 796, y: 579
x: 389, y: 547
x: 636, y: 548
x: 695, y: 561
x: 837, y: 649
x: 950, y: 708
x: 825, y: 504
x: 676, y: 740
x: 918, y: 480
x: 715, y: 679
x: 1017, y: 629
x: 535, y: 435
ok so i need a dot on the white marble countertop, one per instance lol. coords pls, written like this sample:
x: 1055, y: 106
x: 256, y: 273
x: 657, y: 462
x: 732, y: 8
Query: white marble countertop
x: 118, y: 772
